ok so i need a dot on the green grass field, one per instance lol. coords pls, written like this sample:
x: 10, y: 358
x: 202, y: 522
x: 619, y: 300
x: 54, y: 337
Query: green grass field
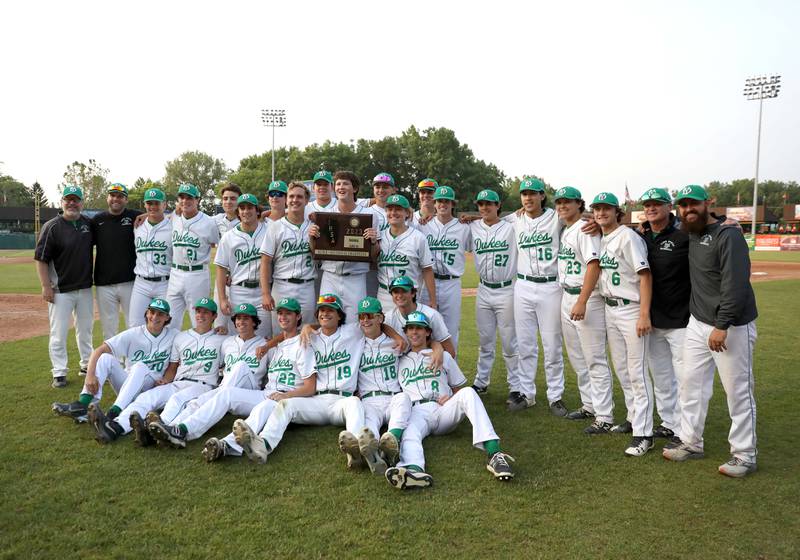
x: 574, y: 496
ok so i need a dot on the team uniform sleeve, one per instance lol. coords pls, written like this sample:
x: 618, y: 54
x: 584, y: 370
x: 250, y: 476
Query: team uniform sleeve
x: 306, y: 362
x: 734, y: 276
x: 455, y: 377
x: 424, y: 252
x: 354, y: 330
x: 44, y: 246
x: 438, y: 327
x: 221, y: 258
x: 510, y: 218
x: 175, y: 353
x: 636, y: 252
x: 589, y: 246
x: 120, y: 344
x: 268, y: 244
x: 213, y: 233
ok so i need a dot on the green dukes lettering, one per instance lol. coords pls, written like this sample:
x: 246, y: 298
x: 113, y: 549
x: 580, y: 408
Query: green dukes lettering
x: 566, y: 253
x: 392, y: 259
x: 150, y: 359
x: 200, y: 355
x: 143, y: 245
x: 527, y: 240
x: 292, y: 248
x: 250, y: 255
x: 491, y: 246
x: 231, y: 360
x: 608, y: 262
x: 369, y: 363
x: 441, y: 244
x: 184, y: 239
x: 332, y: 358
x: 411, y: 375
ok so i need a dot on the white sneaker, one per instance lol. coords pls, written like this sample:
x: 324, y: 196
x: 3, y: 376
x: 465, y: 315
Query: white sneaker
x: 348, y: 444
x: 639, y: 446
x: 737, y: 468
x: 390, y: 448
x: 252, y: 445
x: 681, y: 453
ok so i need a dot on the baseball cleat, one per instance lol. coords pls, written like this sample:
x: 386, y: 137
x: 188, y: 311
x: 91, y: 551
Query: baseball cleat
x: 71, y: 410
x: 624, y: 428
x: 151, y: 417
x: 580, y: 414
x: 499, y: 466
x: 105, y: 430
x: 253, y: 446
x: 406, y: 479
x: 737, y: 468
x: 348, y: 444
x: 663, y: 432
x: 59, y: 382
x: 680, y: 453
x: 480, y: 390
x: 141, y: 436
x: 370, y: 451
x: 558, y: 408
x: 167, y: 434
x: 390, y: 448
x: 597, y: 427
x: 81, y: 419
x: 520, y: 403
x: 214, y: 449
x: 639, y: 446
x: 512, y: 396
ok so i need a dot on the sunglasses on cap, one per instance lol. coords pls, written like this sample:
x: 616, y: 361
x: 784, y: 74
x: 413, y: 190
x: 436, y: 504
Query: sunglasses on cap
x: 276, y: 194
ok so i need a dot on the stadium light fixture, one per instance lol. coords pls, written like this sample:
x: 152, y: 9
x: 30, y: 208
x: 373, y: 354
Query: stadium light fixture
x: 273, y: 118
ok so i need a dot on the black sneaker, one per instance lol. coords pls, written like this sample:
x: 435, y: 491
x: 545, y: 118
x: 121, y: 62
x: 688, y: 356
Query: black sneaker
x: 512, y: 397
x: 59, y: 382
x: 558, y: 408
x: 674, y: 442
x: 168, y: 434
x: 580, y: 414
x: 407, y: 479
x: 141, y: 436
x: 521, y: 402
x: 624, y: 428
x: 499, y: 467
x: 105, y: 430
x: 72, y: 410
x: 480, y: 390
x: 663, y: 432
x: 598, y: 427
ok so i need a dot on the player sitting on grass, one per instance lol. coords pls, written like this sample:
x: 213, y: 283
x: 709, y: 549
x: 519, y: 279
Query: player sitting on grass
x: 194, y: 366
x: 147, y: 349
x: 439, y: 405
x: 243, y: 370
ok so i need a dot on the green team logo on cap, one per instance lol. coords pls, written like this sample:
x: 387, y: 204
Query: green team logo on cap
x: 206, y: 303
x: 278, y: 186
x: 656, y: 194
x: 418, y: 319
x: 189, y: 190
x: 444, y: 193
x: 531, y: 184
x: 398, y: 200
x: 154, y: 195
x: 159, y: 305
x: 72, y: 190
x: 289, y: 304
x: 247, y: 198
x: 569, y: 193
x: 323, y: 176
x: 403, y: 282
x: 370, y: 305
x: 488, y: 195
x: 695, y: 192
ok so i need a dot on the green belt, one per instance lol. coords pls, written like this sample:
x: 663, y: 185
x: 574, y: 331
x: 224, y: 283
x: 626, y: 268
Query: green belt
x: 378, y: 394
x: 445, y: 277
x: 495, y: 285
x: 334, y: 392
x: 247, y: 284
x: 422, y: 401
x: 537, y: 279
x: 188, y: 268
x: 573, y: 291
x: 613, y: 302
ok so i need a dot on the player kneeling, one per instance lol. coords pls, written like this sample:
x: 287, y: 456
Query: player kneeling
x: 439, y: 405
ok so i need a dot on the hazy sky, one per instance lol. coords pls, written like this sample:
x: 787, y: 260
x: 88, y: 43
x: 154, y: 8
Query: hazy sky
x: 591, y: 94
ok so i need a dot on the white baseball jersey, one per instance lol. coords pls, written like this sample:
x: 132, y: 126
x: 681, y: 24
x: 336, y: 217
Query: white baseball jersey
x: 192, y: 239
x: 382, y: 212
x: 239, y: 252
x: 495, y: 250
x: 138, y: 345
x: 345, y: 267
x: 224, y: 225
x: 378, y: 368
x: 404, y: 255
x: 153, y: 249
x: 235, y: 350
x: 448, y: 244
x: 289, y: 363
x: 537, y: 243
x: 315, y: 206
x: 420, y: 382
x: 397, y: 321
x: 623, y: 255
x: 415, y: 218
x: 577, y: 250
x: 337, y: 357
x: 200, y: 356
x: 288, y: 245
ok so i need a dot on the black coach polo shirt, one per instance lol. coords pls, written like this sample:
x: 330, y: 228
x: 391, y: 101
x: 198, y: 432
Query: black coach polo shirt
x: 668, y: 255
x: 67, y: 248
x: 115, y: 258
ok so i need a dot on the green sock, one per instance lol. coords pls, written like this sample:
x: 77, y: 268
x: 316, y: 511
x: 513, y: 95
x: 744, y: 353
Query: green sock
x: 184, y: 430
x: 397, y: 432
x: 86, y: 399
x: 492, y: 446
x: 114, y: 410
x: 415, y: 468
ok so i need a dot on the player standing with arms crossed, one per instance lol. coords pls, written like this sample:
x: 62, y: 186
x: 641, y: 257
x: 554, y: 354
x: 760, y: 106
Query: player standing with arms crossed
x: 721, y: 333
x: 193, y: 235
x: 626, y: 287
x: 153, y: 244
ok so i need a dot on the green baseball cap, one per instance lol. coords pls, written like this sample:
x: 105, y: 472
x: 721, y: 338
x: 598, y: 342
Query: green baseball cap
x: 323, y: 176
x: 277, y: 186
x: 383, y: 177
x: 488, y: 195
x: 245, y: 309
x: 289, y: 304
x: 159, y: 305
x: 417, y: 319
x: 154, y: 194
x: 370, y: 305
x: 398, y: 200
x: 403, y: 282
x: 444, y: 193
x: 656, y: 194
x: 427, y: 184
x: 117, y: 188
x: 247, y: 198
x: 329, y: 300
x: 570, y: 193
x: 531, y: 184
x: 606, y: 198
x: 72, y: 190
x: 695, y: 192
x: 189, y: 190
x: 206, y: 303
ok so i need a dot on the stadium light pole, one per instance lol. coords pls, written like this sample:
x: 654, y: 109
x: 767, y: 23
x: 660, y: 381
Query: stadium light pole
x: 760, y: 88
x: 273, y: 118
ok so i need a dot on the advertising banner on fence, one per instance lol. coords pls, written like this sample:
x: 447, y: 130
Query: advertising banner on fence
x: 776, y: 242
x: 797, y: 211
x: 740, y: 213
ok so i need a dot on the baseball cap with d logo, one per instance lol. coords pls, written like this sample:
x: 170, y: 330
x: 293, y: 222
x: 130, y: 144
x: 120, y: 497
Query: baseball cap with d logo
x: 72, y: 190
x: 370, y: 305
x: 531, y: 184
x: 403, y: 282
x: 189, y: 190
x: 154, y: 195
x: 417, y: 319
x: 398, y: 200
x: 323, y: 176
x: 206, y: 303
x: 488, y: 195
x: 657, y: 195
x: 289, y: 304
x: 695, y: 192
x: 245, y: 309
x: 159, y: 305
x: 606, y: 198
x: 444, y: 193
x: 568, y: 193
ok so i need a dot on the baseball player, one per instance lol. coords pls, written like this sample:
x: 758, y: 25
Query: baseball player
x: 243, y: 370
x: 537, y: 298
x: 147, y: 349
x: 324, y: 201
x: 238, y: 257
x: 427, y: 210
x: 229, y: 217
x: 63, y: 258
x: 276, y: 195
x: 448, y: 239
x: 404, y: 297
x: 439, y: 405
x: 626, y: 287
x: 287, y: 269
x: 348, y: 279
x: 193, y: 235
x: 721, y: 333
x: 153, y: 244
x: 404, y: 252
x: 383, y: 187
x: 115, y: 259
x: 582, y: 313
x: 195, y: 360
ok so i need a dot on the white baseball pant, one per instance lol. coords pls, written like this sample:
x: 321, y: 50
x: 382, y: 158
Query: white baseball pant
x: 108, y: 369
x: 696, y: 383
x: 172, y: 397
x: 666, y: 360
x: 629, y: 354
x: 240, y: 376
x: 184, y: 289
x: 351, y: 289
x: 138, y: 380
x: 238, y: 295
x: 319, y: 410
x: 433, y: 418
x: 235, y: 400
x: 303, y: 293
x: 448, y: 303
x: 110, y: 300
x: 585, y: 341
x: 76, y: 305
x: 392, y: 410
x: 537, y: 308
x: 494, y: 311
x: 144, y: 291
